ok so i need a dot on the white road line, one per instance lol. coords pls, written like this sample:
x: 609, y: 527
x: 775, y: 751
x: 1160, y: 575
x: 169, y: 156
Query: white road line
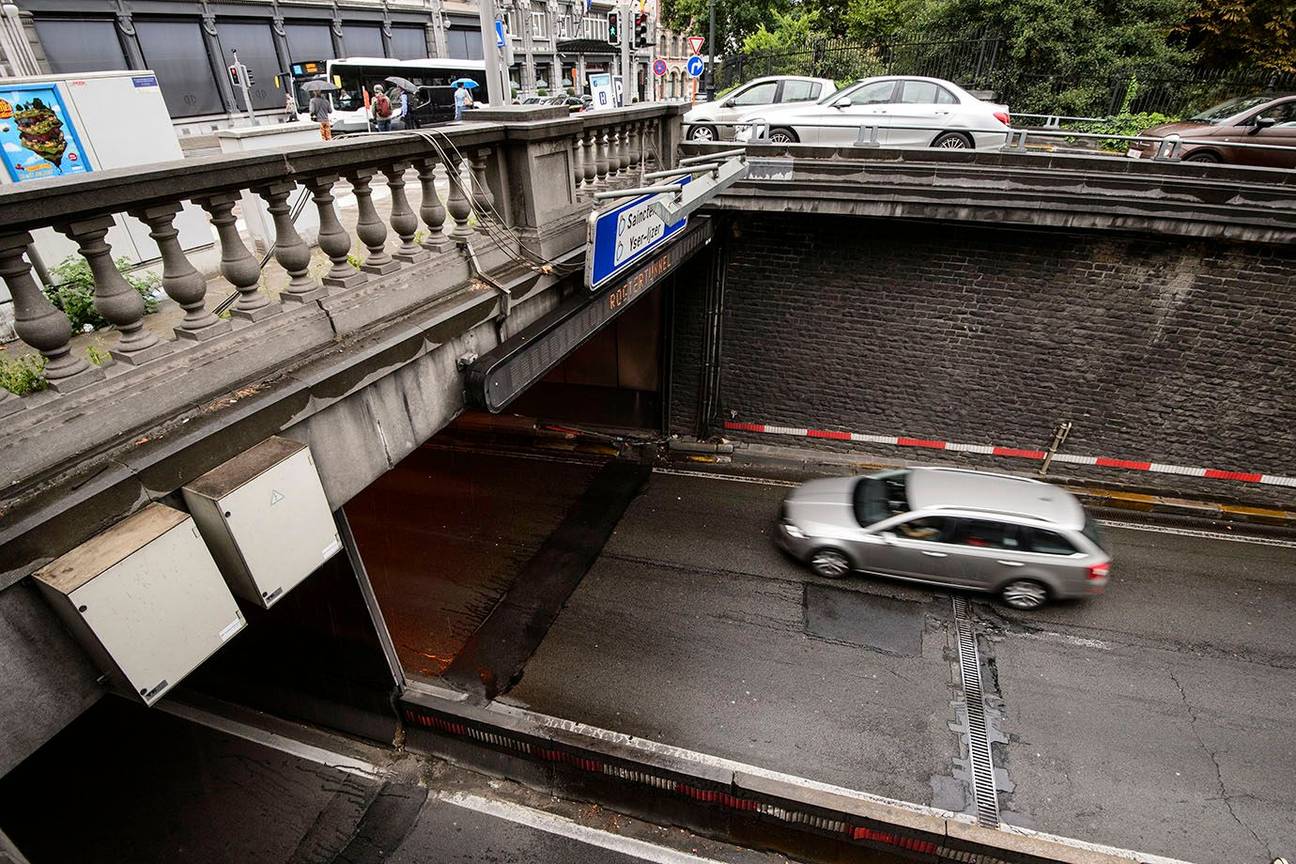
x: 1050, y: 636
x: 1194, y: 532
x: 274, y: 741
x: 706, y: 475
x: 564, y: 827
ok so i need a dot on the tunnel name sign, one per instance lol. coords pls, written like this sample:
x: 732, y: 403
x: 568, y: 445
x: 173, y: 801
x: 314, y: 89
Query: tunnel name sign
x: 622, y: 236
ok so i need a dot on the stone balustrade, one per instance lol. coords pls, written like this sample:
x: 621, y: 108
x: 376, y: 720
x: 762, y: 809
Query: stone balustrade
x: 530, y: 171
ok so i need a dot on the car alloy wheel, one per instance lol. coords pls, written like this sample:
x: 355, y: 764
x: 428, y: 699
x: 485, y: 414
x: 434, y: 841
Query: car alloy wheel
x: 951, y: 141
x: 702, y: 133
x: 782, y: 136
x: 830, y: 564
x: 1025, y: 594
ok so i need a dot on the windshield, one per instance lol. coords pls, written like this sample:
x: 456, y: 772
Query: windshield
x: 880, y: 496
x: 1225, y: 110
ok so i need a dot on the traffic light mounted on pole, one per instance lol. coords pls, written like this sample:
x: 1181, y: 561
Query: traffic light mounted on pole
x: 641, y: 30
x: 614, y: 27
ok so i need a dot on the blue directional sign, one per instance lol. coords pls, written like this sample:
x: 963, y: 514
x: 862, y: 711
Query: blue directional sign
x: 695, y: 66
x: 499, y: 34
x: 621, y: 237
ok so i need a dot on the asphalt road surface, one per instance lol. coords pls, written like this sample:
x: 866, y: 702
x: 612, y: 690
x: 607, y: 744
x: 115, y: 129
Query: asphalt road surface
x: 129, y: 784
x: 1158, y: 717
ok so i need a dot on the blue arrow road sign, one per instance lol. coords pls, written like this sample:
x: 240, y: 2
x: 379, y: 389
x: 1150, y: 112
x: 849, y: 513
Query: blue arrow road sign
x: 695, y: 66
x: 499, y: 34
x: 621, y: 237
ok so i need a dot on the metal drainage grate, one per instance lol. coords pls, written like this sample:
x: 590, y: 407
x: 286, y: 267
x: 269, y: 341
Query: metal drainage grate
x: 983, y: 782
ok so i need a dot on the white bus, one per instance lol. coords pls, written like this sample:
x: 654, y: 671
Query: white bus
x: 355, y: 78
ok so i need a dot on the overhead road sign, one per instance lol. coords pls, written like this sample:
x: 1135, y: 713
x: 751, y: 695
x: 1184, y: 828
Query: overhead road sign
x: 498, y: 377
x: 695, y: 66
x: 619, y: 237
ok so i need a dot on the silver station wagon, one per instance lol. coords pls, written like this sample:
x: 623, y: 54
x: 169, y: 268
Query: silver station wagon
x: 1025, y: 540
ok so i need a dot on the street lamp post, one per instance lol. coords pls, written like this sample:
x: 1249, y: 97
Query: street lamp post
x: 711, y: 52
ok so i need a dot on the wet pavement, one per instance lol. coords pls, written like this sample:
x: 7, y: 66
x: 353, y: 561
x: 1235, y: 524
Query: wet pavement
x: 128, y: 784
x: 1156, y: 717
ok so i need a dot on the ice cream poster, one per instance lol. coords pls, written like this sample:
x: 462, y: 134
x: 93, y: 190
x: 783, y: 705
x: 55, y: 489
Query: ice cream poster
x: 38, y: 136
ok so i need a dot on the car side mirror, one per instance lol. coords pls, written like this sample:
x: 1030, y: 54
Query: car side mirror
x: 1262, y: 123
x: 843, y: 102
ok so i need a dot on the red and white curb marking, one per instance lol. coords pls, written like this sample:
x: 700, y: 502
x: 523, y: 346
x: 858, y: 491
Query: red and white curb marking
x: 1014, y: 452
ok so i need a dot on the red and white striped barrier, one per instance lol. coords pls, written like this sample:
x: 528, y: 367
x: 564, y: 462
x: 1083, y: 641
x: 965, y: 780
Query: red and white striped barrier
x: 1015, y: 452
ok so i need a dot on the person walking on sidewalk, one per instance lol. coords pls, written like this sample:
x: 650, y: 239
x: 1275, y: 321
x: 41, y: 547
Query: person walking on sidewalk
x: 463, y: 99
x: 321, y: 112
x: 382, y: 109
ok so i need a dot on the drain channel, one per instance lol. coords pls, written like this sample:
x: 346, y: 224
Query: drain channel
x: 983, y: 783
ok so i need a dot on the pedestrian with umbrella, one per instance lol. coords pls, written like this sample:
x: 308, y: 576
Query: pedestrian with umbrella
x: 406, y: 111
x: 321, y: 109
x: 462, y: 98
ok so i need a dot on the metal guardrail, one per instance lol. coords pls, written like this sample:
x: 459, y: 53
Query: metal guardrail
x: 1168, y: 148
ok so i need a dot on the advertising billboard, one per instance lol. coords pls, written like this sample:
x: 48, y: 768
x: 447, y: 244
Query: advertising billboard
x: 37, y: 136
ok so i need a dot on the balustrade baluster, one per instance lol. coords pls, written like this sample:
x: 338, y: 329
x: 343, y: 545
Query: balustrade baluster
x: 483, y: 198
x: 182, y: 283
x: 369, y: 228
x: 431, y: 209
x: 333, y: 238
x: 601, y: 142
x: 614, y: 153
x: 292, y: 253
x: 115, y: 299
x: 578, y: 163
x: 623, y: 156
x: 403, y: 220
x: 238, y: 265
x: 39, y: 324
x: 458, y: 204
x: 590, y: 146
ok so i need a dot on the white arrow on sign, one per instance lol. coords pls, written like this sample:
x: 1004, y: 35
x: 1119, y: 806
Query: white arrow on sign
x: 695, y: 43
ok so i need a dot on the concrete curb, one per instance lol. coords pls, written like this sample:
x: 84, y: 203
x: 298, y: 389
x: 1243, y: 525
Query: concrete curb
x: 512, y: 740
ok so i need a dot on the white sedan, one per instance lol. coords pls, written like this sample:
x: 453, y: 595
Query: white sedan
x: 904, y: 111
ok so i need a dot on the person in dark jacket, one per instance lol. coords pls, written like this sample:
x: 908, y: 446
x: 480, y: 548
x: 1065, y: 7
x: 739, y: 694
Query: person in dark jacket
x: 321, y: 112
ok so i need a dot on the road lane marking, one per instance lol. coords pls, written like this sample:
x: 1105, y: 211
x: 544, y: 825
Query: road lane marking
x: 1195, y: 532
x: 1052, y: 636
x: 275, y: 741
x: 561, y: 826
x: 732, y: 478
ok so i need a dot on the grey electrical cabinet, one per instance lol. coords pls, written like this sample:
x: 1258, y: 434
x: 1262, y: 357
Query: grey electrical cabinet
x: 145, y: 599
x: 265, y: 517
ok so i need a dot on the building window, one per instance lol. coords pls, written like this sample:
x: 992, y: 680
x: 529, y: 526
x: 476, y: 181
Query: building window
x: 174, y: 50
x: 539, y: 23
x: 255, y: 45
x: 81, y: 44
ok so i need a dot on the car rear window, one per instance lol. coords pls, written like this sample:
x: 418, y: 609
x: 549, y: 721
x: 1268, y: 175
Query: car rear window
x: 1048, y: 542
x: 880, y: 496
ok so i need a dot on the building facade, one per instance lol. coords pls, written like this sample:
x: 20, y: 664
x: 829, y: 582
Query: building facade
x: 553, y: 44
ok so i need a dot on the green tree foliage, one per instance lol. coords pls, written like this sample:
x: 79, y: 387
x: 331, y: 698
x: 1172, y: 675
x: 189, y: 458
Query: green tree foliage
x: 790, y: 31
x: 735, y: 19
x: 1236, y: 32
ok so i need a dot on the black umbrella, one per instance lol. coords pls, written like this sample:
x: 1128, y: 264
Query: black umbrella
x: 318, y: 87
x: 403, y: 83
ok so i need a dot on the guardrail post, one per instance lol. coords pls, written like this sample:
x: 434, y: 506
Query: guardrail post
x: 38, y: 323
x: 115, y: 299
x: 871, y: 140
x: 182, y: 283
x: 290, y: 250
x: 333, y: 238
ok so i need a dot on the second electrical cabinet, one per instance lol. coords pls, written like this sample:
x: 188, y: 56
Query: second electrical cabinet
x: 266, y: 519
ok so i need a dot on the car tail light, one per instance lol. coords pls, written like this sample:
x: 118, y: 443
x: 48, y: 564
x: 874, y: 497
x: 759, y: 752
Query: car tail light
x: 1099, y: 571
x: 1003, y: 117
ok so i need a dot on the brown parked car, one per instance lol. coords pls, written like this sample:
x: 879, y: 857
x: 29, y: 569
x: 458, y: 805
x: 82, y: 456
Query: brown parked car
x: 1265, y: 119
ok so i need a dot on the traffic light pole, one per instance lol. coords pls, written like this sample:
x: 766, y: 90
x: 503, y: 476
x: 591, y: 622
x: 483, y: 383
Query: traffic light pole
x: 243, y: 86
x: 711, y: 52
x: 627, y: 36
x: 497, y: 80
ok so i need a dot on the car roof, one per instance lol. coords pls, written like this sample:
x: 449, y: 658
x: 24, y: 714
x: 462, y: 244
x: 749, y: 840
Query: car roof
x: 931, y: 488
x: 786, y: 78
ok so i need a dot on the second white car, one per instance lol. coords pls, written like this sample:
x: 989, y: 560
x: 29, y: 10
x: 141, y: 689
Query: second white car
x: 713, y: 121
x: 905, y: 112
